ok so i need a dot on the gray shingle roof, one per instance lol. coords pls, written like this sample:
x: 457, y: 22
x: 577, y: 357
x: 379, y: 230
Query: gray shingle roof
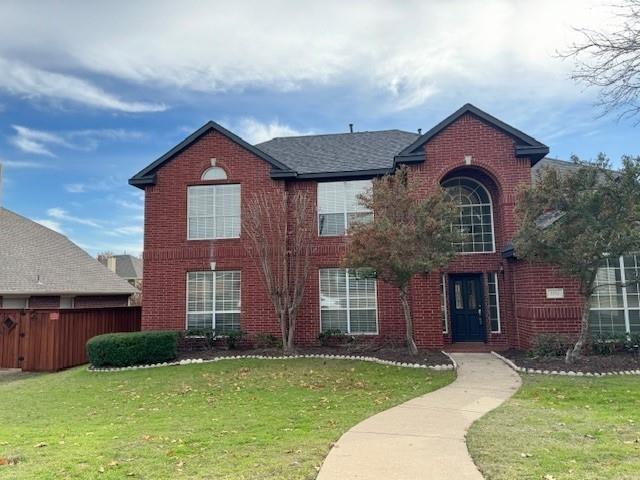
x: 562, y: 166
x: 128, y: 266
x: 339, y: 152
x: 37, y: 260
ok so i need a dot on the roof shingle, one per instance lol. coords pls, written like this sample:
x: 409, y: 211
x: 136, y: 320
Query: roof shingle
x: 339, y: 152
x: 35, y: 260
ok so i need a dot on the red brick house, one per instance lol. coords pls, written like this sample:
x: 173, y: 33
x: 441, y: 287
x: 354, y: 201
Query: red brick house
x: 197, y: 274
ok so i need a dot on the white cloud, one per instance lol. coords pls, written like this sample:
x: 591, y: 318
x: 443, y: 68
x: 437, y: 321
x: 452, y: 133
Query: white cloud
x: 127, y: 230
x: 20, y: 164
x: 40, y: 142
x: 130, y: 205
x: 61, y: 214
x: 52, y: 224
x: 104, y: 185
x: 254, y: 131
x: 30, y: 82
x: 404, y: 53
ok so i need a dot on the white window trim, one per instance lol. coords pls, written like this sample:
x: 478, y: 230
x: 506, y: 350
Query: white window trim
x: 495, y: 276
x: 214, y: 218
x: 345, y: 212
x: 445, y: 298
x: 214, y: 312
x: 72, y: 301
x: 625, y: 301
x: 493, y: 233
x: 375, y: 292
x: 15, y: 297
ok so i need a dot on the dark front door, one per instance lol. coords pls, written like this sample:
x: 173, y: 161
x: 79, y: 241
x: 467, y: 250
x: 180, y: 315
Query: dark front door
x: 467, y: 319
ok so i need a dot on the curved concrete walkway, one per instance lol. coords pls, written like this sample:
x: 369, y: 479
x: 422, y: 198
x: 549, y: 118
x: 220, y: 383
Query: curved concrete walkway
x: 424, y: 438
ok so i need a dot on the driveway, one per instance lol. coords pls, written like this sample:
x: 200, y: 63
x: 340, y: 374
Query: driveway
x: 424, y: 438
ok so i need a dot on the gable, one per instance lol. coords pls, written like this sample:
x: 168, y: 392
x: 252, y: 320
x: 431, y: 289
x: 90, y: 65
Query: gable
x: 147, y: 176
x: 524, y: 145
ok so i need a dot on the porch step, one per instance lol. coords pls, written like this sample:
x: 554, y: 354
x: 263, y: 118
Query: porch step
x: 473, y: 347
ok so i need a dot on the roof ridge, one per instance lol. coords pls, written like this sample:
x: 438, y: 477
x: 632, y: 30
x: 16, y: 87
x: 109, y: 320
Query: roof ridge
x: 338, y: 133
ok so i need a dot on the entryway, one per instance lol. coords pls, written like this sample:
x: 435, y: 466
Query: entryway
x: 466, y: 307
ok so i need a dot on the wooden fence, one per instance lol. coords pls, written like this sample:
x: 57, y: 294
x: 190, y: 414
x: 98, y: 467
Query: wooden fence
x: 50, y: 340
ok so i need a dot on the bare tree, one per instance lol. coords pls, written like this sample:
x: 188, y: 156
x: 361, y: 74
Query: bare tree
x: 103, y: 257
x: 611, y: 61
x: 281, y: 245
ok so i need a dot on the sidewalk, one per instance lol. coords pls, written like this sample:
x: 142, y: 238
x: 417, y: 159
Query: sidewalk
x: 424, y: 438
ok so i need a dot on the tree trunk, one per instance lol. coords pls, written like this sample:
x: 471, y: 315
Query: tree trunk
x: 575, y: 352
x: 283, y: 331
x: 411, y: 344
x: 291, y: 334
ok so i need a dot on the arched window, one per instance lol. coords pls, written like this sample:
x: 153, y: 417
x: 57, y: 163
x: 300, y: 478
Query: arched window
x: 214, y: 173
x: 475, y: 219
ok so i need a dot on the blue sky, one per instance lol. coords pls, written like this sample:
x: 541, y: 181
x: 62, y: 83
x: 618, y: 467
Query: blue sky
x: 90, y: 94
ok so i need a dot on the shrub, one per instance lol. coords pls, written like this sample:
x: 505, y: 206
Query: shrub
x: 209, y: 335
x: 136, y: 348
x: 233, y: 339
x: 610, y: 344
x: 266, y: 340
x: 549, y: 345
x: 331, y: 337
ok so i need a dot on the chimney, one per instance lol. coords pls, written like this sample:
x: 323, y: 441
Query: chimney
x: 419, y: 131
x: 351, y: 128
x: 111, y: 264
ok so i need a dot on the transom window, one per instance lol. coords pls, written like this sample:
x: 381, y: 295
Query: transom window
x: 213, y: 212
x: 347, y: 302
x: 475, y: 219
x: 339, y: 207
x: 214, y: 173
x: 615, y: 305
x: 213, y: 301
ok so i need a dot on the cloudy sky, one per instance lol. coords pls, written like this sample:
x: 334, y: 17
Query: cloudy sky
x: 91, y: 93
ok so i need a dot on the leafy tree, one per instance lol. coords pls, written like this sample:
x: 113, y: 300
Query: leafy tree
x: 410, y: 234
x: 281, y: 235
x: 577, y: 219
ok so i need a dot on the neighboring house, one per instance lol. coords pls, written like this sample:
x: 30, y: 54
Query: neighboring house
x: 40, y: 268
x: 129, y: 268
x: 197, y: 272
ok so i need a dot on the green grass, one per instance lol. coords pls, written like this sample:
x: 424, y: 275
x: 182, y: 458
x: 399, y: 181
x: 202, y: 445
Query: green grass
x: 558, y: 428
x: 242, y: 419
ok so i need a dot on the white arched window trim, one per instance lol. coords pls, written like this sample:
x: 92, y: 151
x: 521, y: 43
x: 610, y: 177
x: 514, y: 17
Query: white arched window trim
x: 493, y: 233
x: 214, y: 173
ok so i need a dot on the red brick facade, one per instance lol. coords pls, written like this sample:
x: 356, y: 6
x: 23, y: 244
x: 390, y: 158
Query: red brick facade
x: 468, y: 147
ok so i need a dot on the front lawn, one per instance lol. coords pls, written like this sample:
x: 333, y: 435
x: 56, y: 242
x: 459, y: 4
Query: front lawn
x: 242, y: 419
x: 559, y: 428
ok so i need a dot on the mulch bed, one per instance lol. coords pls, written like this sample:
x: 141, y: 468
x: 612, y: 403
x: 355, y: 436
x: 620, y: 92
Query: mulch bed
x: 424, y: 357
x: 591, y: 363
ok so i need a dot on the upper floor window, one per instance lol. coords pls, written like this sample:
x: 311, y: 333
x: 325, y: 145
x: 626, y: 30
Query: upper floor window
x: 339, y: 207
x: 213, y: 211
x: 475, y: 219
